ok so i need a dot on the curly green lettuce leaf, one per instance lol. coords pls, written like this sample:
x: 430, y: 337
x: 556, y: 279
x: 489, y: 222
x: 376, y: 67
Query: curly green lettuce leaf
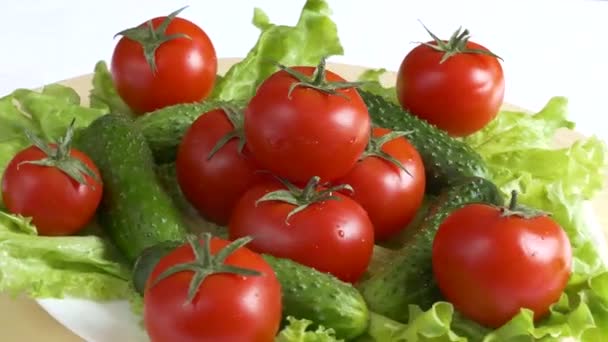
x: 60, y: 92
x: 581, y: 313
x: 298, y: 331
x: 53, y: 114
x: 314, y: 36
x: 513, y: 130
x: 103, y: 95
x: 57, y: 267
x: 374, y: 84
x: 432, y: 325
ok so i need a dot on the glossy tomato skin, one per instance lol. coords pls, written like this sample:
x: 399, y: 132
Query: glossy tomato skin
x: 308, y: 134
x: 334, y: 236
x: 214, y: 185
x: 390, y: 196
x: 57, y: 204
x: 460, y: 95
x: 186, y: 69
x: 490, y: 266
x: 226, y: 308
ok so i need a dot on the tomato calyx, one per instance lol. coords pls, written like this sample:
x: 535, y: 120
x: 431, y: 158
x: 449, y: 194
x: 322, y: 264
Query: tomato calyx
x: 455, y: 45
x: 151, y: 38
x: 514, y: 209
x: 237, y: 119
x: 59, y: 156
x: 374, y: 148
x: 301, y: 198
x: 205, y: 264
x: 317, y: 81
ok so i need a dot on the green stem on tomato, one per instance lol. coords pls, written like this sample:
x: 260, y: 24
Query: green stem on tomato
x: 455, y: 45
x: 205, y: 264
x: 374, y: 148
x: 59, y: 156
x: 151, y: 38
x: 236, y: 118
x: 317, y: 81
x: 301, y: 198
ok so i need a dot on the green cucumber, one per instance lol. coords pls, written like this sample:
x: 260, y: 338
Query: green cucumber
x: 147, y: 260
x: 321, y: 298
x: 165, y: 127
x: 408, y: 278
x: 307, y: 293
x: 135, y: 211
x: 445, y: 159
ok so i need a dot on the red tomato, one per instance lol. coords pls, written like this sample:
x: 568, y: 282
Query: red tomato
x: 224, y: 307
x: 214, y: 185
x: 490, y: 265
x: 334, y: 236
x: 308, y: 132
x: 56, y: 202
x: 459, y: 95
x: 390, y: 196
x: 184, y: 68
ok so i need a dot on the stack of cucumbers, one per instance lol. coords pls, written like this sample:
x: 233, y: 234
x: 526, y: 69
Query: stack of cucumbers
x: 144, y: 220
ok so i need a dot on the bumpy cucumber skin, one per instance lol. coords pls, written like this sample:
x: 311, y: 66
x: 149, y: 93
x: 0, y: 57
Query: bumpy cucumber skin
x: 165, y: 127
x: 408, y: 278
x: 321, y: 298
x: 446, y: 160
x: 135, y: 211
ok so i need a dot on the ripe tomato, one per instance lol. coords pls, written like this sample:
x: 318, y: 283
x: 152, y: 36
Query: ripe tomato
x: 460, y: 94
x: 229, y: 304
x: 300, y: 132
x: 386, y: 191
x: 151, y: 73
x: 58, y: 202
x: 330, y: 235
x: 213, y: 185
x: 491, y: 262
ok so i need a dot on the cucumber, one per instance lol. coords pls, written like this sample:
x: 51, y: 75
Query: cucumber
x: 147, y: 259
x: 135, y: 211
x: 445, y: 159
x: 408, y: 278
x: 321, y: 298
x: 307, y: 293
x: 165, y: 127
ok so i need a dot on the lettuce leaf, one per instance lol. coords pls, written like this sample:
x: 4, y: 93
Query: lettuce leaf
x: 431, y: 325
x: 103, y: 95
x: 57, y: 267
x: 298, y: 331
x: 374, y: 84
x: 314, y: 36
x: 581, y: 313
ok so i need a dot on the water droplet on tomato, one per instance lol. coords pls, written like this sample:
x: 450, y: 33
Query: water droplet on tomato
x: 341, y: 233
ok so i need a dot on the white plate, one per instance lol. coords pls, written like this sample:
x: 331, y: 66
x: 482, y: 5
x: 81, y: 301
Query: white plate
x: 114, y: 321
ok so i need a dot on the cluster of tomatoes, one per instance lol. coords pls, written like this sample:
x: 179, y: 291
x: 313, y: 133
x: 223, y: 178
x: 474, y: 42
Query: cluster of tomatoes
x: 302, y: 172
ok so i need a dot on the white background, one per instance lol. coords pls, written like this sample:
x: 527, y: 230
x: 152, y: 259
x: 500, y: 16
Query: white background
x: 549, y: 47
